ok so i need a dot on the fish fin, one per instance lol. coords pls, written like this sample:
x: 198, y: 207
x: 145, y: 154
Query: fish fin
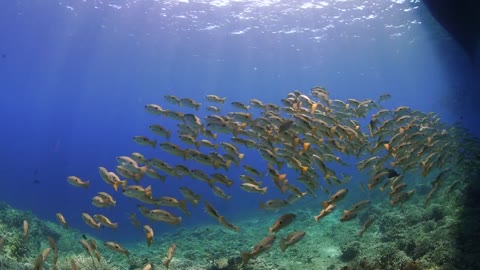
x: 325, y: 204
x: 87, y: 184
x: 169, y: 134
x: 303, y: 169
x: 240, y: 156
x: 306, y: 146
x: 154, y: 144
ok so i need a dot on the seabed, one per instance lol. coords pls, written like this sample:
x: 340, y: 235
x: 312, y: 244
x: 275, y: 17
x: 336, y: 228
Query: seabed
x: 437, y: 236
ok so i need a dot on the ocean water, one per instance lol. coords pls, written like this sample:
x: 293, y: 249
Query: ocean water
x: 76, y: 75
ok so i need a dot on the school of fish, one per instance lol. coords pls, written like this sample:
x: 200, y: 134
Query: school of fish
x: 309, y: 134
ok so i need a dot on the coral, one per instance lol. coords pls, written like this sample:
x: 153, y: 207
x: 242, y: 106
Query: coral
x: 435, y: 213
x: 429, y: 226
x: 85, y: 262
x: 221, y: 263
x: 137, y: 261
x: 350, y: 251
x: 8, y: 263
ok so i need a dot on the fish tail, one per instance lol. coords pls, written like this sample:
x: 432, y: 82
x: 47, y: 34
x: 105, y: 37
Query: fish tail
x: 166, y: 262
x: 370, y: 187
x: 295, y: 141
x: 283, y: 244
x: 306, y: 146
x: 115, y: 186
x: 169, y: 134
x: 154, y: 144
x: 245, y: 257
x: 240, y: 156
x: 123, y: 183
x: 148, y: 191
x: 264, y: 190
x: 314, y: 108
x: 316, y: 218
x: 303, y: 169
x: 210, y: 182
x: 87, y: 184
x: 183, y: 205
x: 262, y: 206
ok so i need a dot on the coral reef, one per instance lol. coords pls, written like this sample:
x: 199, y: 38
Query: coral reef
x: 403, y: 238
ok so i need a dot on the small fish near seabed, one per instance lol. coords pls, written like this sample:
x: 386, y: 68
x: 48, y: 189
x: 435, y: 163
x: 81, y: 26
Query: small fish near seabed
x: 170, y: 253
x: 282, y: 222
x: 258, y: 249
x: 116, y: 248
x: 291, y: 239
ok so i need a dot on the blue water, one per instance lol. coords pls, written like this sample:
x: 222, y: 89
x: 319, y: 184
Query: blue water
x: 75, y: 76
